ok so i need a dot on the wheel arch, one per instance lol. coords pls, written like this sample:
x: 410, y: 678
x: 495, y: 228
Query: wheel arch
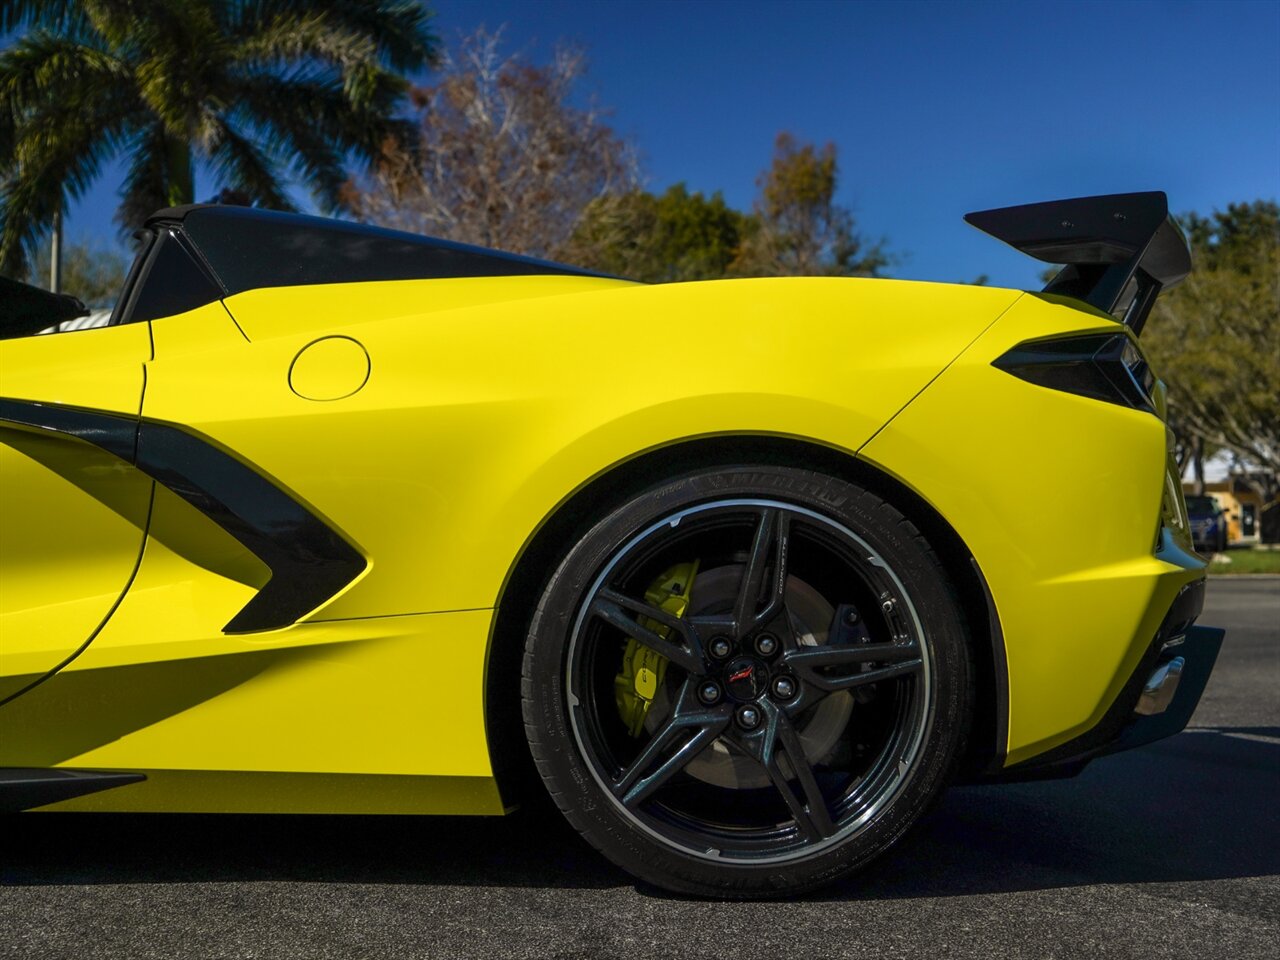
x: 542, y: 552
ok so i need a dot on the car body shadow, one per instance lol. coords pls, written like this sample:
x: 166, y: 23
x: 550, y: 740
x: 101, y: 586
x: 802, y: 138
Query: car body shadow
x: 1197, y: 807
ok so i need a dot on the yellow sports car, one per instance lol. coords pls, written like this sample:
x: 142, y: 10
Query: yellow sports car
x: 333, y: 519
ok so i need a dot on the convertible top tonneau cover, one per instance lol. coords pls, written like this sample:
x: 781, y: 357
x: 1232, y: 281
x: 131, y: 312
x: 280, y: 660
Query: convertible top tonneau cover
x: 246, y: 248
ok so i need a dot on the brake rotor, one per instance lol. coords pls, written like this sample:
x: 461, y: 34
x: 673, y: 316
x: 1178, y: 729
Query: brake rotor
x: 714, y: 591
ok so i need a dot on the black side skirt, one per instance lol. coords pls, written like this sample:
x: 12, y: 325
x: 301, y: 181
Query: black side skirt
x: 22, y: 788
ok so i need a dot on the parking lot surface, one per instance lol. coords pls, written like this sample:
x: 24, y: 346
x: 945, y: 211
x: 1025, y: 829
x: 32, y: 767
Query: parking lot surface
x: 1172, y: 850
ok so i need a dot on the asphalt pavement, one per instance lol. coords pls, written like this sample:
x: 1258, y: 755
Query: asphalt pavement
x: 1172, y: 850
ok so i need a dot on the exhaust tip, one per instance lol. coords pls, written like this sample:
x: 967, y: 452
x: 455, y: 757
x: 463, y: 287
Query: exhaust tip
x: 1160, y: 687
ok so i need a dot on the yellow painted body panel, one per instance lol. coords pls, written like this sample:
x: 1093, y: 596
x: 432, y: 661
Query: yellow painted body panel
x: 100, y: 369
x: 477, y: 421
x: 1059, y: 498
x: 336, y: 716
x: 72, y: 516
x: 481, y: 406
x: 162, y: 689
x: 57, y: 585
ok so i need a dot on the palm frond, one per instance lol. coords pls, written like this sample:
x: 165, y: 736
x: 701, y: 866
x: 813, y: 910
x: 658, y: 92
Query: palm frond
x: 153, y: 27
x: 245, y: 166
x: 315, y: 39
x: 146, y: 184
x: 288, y: 38
x: 319, y: 137
x: 41, y: 69
x: 400, y: 29
x: 67, y: 106
x: 62, y: 16
x: 251, y: 87
x: 178, y: 59
x: 312, y: 156
x: 65, y: 152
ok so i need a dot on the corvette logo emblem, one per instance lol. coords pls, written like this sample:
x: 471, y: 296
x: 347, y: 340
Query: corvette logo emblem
x: 745, y: 678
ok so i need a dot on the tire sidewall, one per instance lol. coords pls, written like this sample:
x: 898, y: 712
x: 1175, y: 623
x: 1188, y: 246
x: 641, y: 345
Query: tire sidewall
x: 596, y: 815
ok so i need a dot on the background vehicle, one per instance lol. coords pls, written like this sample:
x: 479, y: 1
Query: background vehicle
x: 756, y: 567
x: 1208, y: 524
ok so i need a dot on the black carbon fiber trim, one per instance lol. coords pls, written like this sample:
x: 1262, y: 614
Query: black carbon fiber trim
x: 308, y: 559
x: 248, y: 248
x: 113, y: 432
x: 22, y: 788
x: 1120, y: 250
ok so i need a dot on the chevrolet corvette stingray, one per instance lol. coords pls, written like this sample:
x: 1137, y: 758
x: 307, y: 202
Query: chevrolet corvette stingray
x: 334, y: 519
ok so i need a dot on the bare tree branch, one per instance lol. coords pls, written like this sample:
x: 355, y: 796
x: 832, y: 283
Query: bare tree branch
x: 508, y: 158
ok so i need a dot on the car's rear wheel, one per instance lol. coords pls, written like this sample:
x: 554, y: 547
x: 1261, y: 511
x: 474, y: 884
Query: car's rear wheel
x: 747, y: 681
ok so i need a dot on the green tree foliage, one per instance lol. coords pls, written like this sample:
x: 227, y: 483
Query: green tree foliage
x: 256, y: 90
x: 658, y: 239
x: 94, y: 274
x: 798, y: 229
x: 1215, y: 339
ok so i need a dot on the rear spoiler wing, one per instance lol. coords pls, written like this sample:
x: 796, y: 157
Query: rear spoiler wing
x: 1119, y: 250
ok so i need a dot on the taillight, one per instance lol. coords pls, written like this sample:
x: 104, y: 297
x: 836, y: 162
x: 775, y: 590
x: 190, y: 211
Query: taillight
x: 1103, y: 366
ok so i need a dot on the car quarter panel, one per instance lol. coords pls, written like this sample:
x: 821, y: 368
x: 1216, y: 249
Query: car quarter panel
x: 1059, y: 497
x: 489, y: 401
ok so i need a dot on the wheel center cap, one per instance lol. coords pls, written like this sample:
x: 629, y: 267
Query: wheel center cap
x: 745, y: 678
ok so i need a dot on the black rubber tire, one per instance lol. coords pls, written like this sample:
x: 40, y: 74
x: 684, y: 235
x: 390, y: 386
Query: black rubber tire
x: 585, y: 804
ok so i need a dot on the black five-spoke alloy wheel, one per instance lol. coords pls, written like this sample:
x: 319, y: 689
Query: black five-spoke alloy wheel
x: 747, y: 682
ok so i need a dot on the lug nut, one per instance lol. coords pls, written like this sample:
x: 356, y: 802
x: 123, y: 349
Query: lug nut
x: 748, y: 717
x: 766, y: 645
x: 887, y: 605
x: 784, y: 688
x: 709, y: 693
x: 851, y: 617
x: 720, y: 647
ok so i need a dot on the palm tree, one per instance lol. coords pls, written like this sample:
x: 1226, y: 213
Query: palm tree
x: 256, y: 90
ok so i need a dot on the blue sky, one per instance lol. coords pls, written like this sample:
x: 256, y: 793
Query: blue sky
x: 936, y: 108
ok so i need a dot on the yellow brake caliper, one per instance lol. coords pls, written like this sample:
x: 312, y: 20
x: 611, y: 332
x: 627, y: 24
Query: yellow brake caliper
x: 642, y: 668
